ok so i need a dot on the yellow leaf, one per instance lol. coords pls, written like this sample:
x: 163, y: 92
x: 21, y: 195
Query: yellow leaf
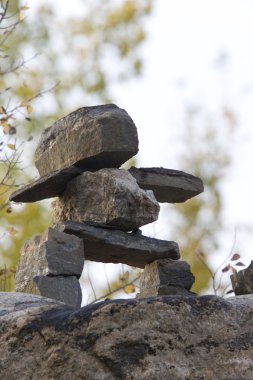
x: 124, y: 276
x: 11, y: 231
x: 129, y: 288
x: 5, y: 125
x: 11, y: 146
x: 24, y: 7
x: 21, y: 16
x: 3, y: 271
x: 13, y: 269
x: 29, y: 108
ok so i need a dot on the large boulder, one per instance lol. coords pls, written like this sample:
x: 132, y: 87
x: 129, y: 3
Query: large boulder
x: 110, y: 197
x: 90, y: 137
x: 170, y: 337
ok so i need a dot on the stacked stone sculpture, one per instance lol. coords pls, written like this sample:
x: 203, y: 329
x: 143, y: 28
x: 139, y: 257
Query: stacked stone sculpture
x: 100, y: 208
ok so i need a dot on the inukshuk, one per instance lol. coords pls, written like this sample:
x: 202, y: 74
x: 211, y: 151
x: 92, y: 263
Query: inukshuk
x: 100, y: 208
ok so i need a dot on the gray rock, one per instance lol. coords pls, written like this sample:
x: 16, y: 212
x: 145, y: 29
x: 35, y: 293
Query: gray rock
x: 48, y: 186
x: 52, y: 254
x: 170, y: 337
x: 172, y: 186
x: 166, y: 276
x: 168, y: 185
x: 112, y: 246
x: 242, y: 281
x: 110, y: 197
x: 91, y: 137
x: 61, y: 288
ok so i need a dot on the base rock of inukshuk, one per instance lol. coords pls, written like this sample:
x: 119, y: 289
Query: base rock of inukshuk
x: 101, y: 205
x: 158, y: 338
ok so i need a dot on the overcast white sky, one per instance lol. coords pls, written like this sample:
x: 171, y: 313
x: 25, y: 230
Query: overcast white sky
x: 186, y: 37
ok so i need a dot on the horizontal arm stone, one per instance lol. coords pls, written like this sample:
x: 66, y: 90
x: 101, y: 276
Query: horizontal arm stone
x: 113, y: 246
x: 168, y: 185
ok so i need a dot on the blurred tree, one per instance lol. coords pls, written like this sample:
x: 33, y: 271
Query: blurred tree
x: 87, y: 51
x: 207, y: 155
x: 12, y: 111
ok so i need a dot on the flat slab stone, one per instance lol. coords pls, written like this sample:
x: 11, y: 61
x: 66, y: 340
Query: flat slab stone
x: 168, y: 185
x: 90, y: 137
x: 108, y: 196
x: 48, y: 186
x: 112, y: 246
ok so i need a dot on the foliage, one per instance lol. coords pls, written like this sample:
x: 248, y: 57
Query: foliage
x: 7, y: 278
x: 126, y: 282
x: 228, y: 265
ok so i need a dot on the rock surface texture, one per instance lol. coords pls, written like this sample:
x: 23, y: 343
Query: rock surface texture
x: 166, y: 276
x: 48, y: 186
x: 172, y: 186
x: 50, y: 265
x: 242, y: 281
x: 168, y: 185
x: 112, y: 246
x: 109, y: 197
x: 170, y: 337
x: 91, y: 137
x: 66, y: 289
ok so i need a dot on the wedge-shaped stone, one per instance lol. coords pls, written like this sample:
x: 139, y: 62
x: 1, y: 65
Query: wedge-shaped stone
x: 172, y: 186
x: 91, y: 137
x: 110, y: 197
x: 166, y: 276
x: 112, y: 246
x: 51, y: 254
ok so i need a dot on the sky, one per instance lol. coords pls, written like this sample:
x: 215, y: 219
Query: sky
x: 188, y: 42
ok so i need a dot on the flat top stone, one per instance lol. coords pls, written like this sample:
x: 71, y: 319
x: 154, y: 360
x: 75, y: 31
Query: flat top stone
x: 90, y: 137
x: 113, y: 246
x: 168, y: 185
